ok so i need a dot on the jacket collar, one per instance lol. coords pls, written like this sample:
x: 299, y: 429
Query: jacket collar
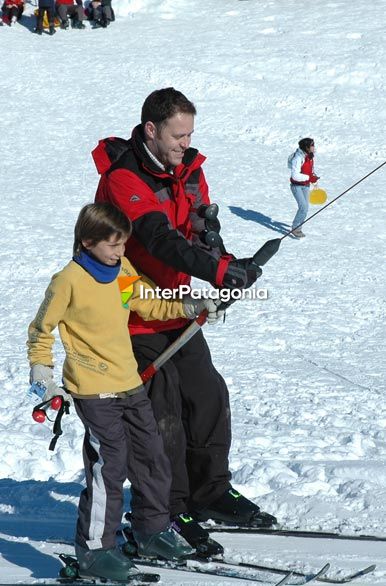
x: 101, y: 272
x: 192, y: 158
x: 109, y: 151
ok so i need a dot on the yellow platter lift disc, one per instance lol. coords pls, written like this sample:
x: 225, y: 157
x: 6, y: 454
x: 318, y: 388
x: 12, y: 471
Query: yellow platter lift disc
x: 318, y: 196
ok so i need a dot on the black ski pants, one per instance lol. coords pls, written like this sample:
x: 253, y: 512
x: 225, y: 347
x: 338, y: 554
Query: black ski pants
x: 121, y: 441
x: 191, y: 405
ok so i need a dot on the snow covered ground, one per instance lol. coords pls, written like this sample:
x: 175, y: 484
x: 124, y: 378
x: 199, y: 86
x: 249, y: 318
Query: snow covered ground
x: 305, y: 368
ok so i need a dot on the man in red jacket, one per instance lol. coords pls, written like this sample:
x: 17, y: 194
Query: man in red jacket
x: 158, y: 181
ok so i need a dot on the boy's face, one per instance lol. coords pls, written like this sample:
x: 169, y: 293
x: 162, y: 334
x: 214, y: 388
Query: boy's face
x: 108, y: 251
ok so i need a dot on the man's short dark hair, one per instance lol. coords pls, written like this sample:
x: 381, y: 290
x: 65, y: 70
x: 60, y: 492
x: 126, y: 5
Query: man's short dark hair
x: 163, y: 104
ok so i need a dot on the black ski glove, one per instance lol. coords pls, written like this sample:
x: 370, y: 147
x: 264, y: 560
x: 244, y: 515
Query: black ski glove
x: 241, y: 274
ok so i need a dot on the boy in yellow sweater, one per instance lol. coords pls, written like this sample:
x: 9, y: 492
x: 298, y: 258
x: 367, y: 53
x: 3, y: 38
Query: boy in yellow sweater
x: 87, y: 300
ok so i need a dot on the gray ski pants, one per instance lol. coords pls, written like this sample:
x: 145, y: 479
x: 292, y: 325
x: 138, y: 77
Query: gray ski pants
x: 121, y: 441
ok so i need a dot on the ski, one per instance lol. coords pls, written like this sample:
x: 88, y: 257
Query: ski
x: 231, y: 569
x: 349, y: 577
x: 290, y: 532
x: 320, y: 576
x: 288, y: 574
x: 80, y: 582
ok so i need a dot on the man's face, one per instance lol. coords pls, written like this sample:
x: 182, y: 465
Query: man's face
x: 171, y: 141
x: 108, y: 251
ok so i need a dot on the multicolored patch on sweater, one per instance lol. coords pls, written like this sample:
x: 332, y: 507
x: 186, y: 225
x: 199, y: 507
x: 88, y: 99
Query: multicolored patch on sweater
x: 126, y: 288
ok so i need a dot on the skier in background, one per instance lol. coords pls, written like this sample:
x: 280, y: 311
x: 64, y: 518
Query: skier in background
x: 301, y: 163
x: 158, y: 181
x: 48, y: 7
x: 100, y: 374
x: 72, y: 9
x: 101, y: 12
x: 12, y: 11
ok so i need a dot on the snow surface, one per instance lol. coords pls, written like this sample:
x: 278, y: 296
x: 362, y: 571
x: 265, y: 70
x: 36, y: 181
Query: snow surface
x: 305, y: 368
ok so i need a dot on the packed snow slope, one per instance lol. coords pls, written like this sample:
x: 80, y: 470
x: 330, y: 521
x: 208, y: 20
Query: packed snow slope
x: 306, y: 367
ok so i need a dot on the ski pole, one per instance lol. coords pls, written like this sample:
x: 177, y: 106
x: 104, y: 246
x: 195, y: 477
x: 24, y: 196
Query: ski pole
x: 335, y: 199
x: 272, y: 246
x: 259, y: 259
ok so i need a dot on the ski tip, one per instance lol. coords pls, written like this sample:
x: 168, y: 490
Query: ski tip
x: 146, y: 578
x: 285, y: 580
x: 318, y: 575
x: 325, y: 568
x: 369, y: 569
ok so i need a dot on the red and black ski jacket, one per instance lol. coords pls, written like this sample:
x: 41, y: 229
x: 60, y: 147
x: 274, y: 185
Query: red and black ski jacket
x: 165, y: 244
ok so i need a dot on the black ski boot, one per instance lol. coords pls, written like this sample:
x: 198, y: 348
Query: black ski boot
x: 196, y: 536
x: 166, y: 545
x: 232, y: 508
x: 110, y: 564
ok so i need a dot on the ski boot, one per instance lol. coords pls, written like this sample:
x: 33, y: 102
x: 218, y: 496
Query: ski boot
x: 167, y: 545
x: 38, y: 31
x: 232, y: 508
x: 196, y: 536
x: 52, y: 31
x: 64, y: 25
x: 109, y: 564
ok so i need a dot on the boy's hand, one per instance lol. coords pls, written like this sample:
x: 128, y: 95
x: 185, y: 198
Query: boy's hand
x: 44, y: 375
x: 193, y: 308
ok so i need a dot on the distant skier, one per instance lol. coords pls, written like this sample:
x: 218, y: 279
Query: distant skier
x: 301, y: 163
x: 12, y: 11
x: 122, y: 439
x: 72, y: 9
x: 48, y: 7
x: 101, y: 13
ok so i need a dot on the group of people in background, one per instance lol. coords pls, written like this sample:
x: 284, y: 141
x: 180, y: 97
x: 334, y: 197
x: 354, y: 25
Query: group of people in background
x: 51, y: 13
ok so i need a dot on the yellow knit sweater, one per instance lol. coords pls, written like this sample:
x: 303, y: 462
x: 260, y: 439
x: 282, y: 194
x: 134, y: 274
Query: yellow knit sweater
x: 92, y: 321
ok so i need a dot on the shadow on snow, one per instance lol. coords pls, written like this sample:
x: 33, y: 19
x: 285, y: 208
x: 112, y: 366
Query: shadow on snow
x: 259, y: 218
x: 37, y: 511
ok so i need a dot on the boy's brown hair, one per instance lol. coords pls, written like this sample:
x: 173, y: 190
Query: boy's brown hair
x: 100, y: 221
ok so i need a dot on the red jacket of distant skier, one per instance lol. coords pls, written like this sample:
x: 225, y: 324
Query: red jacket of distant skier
x: 18, y: 3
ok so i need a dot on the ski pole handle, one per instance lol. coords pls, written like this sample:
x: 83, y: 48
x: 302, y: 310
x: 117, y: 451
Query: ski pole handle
x: 266, y: 252
x: 39, y: 412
